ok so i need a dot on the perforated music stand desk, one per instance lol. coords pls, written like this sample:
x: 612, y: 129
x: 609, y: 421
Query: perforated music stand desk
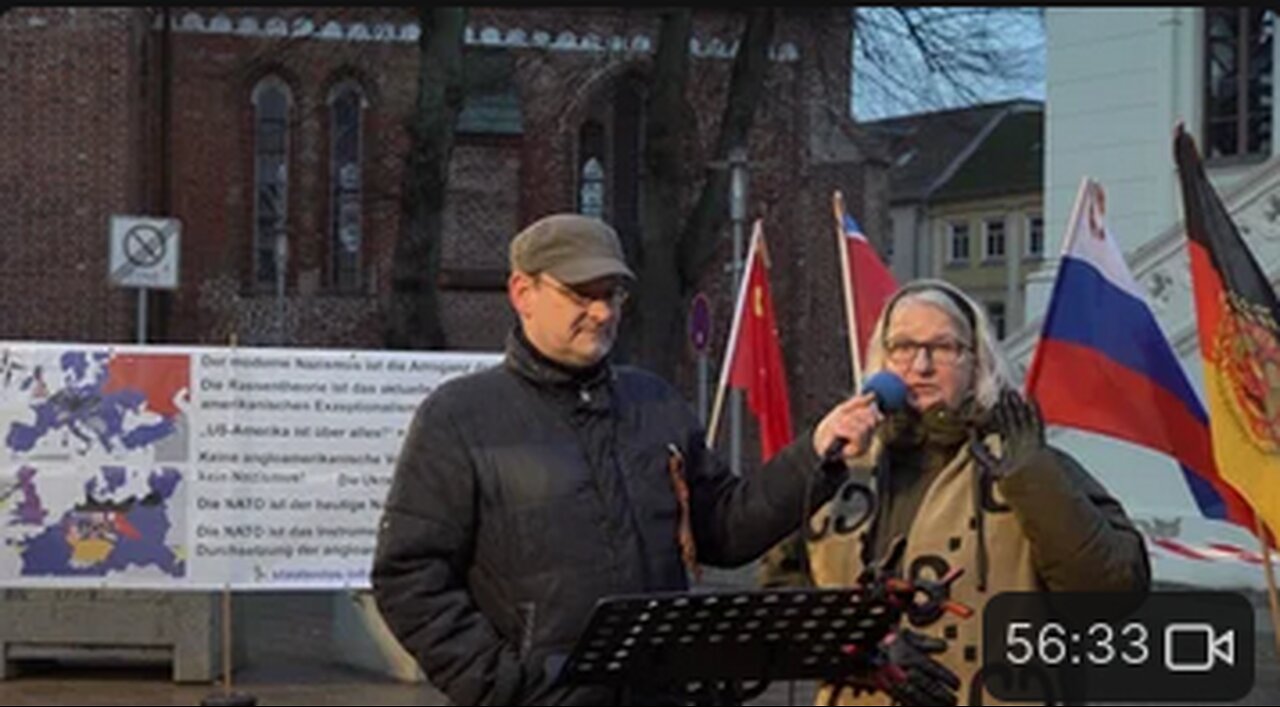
x: 683, y: 642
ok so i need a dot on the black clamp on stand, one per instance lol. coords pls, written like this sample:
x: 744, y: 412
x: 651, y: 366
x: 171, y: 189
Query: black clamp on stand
x: 726, y: 648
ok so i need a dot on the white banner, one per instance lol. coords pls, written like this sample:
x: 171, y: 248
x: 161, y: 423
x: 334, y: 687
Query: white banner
x: 202, y: 467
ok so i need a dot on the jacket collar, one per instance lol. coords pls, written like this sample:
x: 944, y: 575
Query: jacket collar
x: 529, y: 363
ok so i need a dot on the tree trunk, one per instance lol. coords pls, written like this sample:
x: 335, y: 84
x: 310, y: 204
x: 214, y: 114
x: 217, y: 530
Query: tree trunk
x: 669, y: 116
x: 674, y: 253
x: 413, y: 316
x: 746, y: 91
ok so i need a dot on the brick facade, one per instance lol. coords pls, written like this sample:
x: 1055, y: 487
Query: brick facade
x: 81, y: 127
x: 69, y: 123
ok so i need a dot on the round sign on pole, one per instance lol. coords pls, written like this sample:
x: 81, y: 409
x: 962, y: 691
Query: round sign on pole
x: 144, y: 245
x: 143, y: 252
x: 700, y: 323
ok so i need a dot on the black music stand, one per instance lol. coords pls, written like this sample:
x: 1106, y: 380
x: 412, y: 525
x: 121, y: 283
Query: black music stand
x: 726, y: 647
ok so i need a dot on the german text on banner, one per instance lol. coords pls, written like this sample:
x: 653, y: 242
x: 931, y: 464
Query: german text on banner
x: 199, y: 468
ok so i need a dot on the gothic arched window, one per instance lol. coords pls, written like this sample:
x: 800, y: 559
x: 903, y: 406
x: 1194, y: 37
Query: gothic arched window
x: 271, y: 103
x: 591, y: 191
x: 346, y: 103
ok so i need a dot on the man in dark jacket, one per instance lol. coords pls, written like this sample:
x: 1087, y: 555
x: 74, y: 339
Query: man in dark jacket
x: 525, y: 493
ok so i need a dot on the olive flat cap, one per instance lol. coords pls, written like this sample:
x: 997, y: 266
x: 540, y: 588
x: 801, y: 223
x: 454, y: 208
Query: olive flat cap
x: 572, y: 248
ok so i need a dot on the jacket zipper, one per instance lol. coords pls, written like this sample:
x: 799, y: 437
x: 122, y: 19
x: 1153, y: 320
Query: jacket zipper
x: 527, y: 611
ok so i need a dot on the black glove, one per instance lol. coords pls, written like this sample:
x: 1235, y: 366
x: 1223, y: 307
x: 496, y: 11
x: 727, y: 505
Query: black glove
x: 1021, y: 430
x: 911, y: 676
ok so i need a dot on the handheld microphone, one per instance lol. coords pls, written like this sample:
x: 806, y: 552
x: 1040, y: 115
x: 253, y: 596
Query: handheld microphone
x: 890, y: 396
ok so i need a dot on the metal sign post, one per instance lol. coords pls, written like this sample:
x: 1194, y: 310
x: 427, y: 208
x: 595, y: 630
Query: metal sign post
x: 143, y: 254
x: 142, y: 315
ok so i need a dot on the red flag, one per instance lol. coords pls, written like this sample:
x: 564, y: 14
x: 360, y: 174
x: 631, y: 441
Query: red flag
x: 754, y: 356
x: 868, y: 283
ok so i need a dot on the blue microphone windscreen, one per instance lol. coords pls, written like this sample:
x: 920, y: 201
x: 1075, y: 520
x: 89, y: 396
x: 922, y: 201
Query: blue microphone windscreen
x: 890, y: 390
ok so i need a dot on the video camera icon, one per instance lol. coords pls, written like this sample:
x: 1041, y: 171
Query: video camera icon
x: 1197, y: 647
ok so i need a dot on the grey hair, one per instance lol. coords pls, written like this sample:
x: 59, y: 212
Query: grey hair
x: 992, y: 373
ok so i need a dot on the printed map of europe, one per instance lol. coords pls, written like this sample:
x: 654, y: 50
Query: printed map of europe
x: 95, y: 442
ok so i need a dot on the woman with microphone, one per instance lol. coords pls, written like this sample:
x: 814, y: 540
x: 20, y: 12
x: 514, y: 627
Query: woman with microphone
x: 963, y: 483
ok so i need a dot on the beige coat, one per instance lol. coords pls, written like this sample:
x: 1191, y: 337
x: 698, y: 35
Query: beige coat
x: 1052, y: 526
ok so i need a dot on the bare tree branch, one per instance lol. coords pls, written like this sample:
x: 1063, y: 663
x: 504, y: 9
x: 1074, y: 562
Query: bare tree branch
x: 910, y: 59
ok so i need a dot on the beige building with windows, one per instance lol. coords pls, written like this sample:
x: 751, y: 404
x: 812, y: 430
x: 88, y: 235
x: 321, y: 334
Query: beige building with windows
x: 966, y: 201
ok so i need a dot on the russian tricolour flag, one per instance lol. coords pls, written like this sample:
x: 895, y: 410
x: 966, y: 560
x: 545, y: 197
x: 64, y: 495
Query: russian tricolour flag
x: 1103, y: 365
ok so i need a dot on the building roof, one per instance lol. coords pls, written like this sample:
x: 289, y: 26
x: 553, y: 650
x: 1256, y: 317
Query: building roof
x: 1010, y: 160
x: 928, y: 149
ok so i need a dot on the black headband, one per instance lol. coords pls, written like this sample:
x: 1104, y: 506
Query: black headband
x: 961, y: 303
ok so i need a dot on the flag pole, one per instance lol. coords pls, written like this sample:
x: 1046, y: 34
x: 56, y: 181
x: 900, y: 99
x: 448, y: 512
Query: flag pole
x: 1272, y: 601
x: 1067, y: 239
x: 855, y: 348
x: 846, y: 279
x: 721, y: 388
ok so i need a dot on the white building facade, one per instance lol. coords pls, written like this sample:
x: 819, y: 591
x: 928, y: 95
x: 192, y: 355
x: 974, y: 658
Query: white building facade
x: 1118, y: 82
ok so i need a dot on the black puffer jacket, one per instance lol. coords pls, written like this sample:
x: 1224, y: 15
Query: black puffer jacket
x: 525, y: 493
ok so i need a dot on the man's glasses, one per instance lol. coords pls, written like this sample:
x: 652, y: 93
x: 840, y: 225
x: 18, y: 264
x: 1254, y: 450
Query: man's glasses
x: 614, y: 294
x: 903, y: 352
